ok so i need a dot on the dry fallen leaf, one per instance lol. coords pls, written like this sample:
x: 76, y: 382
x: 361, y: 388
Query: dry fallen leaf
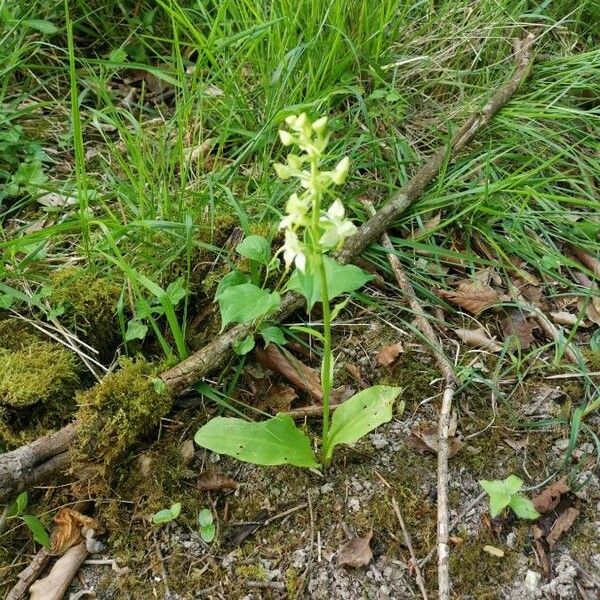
x: 493, y: 551
x: 549, y: 498
x: 474, y: 295
x: 517, y: 444
x: 356, y: 552
x: 425, y: 439
x: 562, y: 525
x: 516, y: 324
x: 68, y: 530
x: 388, y: 355
x: 212, y: 481
x: 539, y: 548
x: 295, y: 371
x: 478, y: 338
x: 567, y: 319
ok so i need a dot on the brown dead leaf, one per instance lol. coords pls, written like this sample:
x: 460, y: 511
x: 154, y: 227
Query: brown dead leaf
x: 388, y: 354
x: 539, y: 548
x: 566, y: 318
x: 474, y: 295
x: 295, y: 371
x: 353, y: 370
x: 517, y: 325
x: 562, y: 525
x: 424, y: 438
x: 549, y: 498
x: 478, y: 338
x: 517, y: 444
x: 212, y: 481
x: 356, y: 552
x: 68, y: 530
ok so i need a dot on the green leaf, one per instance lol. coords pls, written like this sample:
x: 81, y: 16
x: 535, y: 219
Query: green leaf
x: 205, y: 517
x: 246, y: 302
x: 175, y: 291
x: 232, y: 278
x: 308, y: 330
x: 40, y: 535
x: 359, y: 415
x: 513, y: 484
x: 498, y: 502
x: 493, y: 488
x: 276, y: 441
x: 207, y: 533
x: 523, y: 507
x: 256, y: 248
x: 41, y: 25
x: 19, y: 506
x: 167, y: 515
x: 245, y: 346
x: 341, y: 279
x: 136, y: 330
x: 272, y: 334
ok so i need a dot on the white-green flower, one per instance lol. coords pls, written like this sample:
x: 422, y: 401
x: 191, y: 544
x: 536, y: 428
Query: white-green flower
x: 296, y: 209
x: 336, y: 227
x: 293, y: 251
x: 287, y: 139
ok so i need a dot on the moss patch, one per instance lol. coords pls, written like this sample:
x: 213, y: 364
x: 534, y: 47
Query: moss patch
x: 120, y: 410
x: 89, y: 305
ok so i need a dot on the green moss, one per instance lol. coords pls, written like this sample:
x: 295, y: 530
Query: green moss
x: 89, y: 305
x: 251, y: 572
x: 40, y: 373
x: 120, y: 410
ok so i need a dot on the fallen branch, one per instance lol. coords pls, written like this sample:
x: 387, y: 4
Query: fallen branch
x: 443, y: 451
x: 202, y: 363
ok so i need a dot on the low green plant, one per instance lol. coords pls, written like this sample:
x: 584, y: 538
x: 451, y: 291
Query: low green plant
x: 505, y: 493
x: 17, y: 510
x: 311, y: 232
x: 167, y: 514
x: 207, y: 525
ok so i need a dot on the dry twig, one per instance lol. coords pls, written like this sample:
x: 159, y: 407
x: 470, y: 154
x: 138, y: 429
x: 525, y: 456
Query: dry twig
x: 408, y: 542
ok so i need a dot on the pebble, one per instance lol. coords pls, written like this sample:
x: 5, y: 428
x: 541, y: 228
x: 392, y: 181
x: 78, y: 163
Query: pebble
x: 532, y: 580
x: 327, y: 488
x: 353, y: 504
x: 379, y: 441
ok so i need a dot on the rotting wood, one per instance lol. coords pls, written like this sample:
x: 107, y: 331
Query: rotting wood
x: 202, y: 363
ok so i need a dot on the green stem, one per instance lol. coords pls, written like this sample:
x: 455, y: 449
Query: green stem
x: 326, y: 382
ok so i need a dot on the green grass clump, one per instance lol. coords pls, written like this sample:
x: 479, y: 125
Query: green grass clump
x: 120, y: 410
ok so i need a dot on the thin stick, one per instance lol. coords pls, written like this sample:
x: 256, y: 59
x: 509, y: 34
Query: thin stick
x: 444, y: 416
x: 408, y: 542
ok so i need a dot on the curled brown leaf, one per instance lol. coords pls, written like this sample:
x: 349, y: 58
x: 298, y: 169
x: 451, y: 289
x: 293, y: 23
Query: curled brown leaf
x: 478, y: 338
x: 212, y: 481
x: 388, y: 354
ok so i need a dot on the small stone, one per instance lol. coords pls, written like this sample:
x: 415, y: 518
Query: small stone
x: 327, y: 488
x: 532, y: 580
x: 511, y: 538
x: 561, y: 444
x: 378, y: 441
x: 187, y: 451
x: 353, y: 504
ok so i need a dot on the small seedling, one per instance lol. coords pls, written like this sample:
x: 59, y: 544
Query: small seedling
x: 505, y: 493
x: 167, y: 515
x: 207, y: 525
x: 40, y: 535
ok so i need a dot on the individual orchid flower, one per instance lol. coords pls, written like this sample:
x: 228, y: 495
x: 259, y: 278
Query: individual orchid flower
x: 294, y: 251
x: 296, y: 208
x: 337, y: 228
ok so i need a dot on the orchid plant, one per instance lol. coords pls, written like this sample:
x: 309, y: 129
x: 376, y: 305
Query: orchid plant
x: 311, y: 230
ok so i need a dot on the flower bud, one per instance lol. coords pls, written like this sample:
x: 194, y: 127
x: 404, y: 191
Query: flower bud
x: 339, y: 174
x: 287, y: 139
x: 283, y: 171
x: 320, y: 125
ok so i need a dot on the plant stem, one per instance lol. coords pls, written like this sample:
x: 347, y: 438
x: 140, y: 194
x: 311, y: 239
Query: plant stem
x: 326, y: 382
